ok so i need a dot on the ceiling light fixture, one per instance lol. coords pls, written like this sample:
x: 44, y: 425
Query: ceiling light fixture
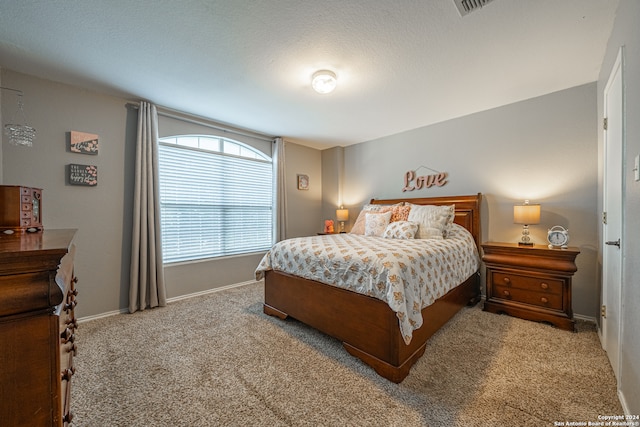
x: 19, y: 134
x: 324, y: 81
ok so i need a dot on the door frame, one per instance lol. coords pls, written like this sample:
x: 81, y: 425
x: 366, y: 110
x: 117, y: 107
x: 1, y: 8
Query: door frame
x: 618, y: 67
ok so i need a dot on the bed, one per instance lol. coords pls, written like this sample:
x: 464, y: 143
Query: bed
x: 367, y: 326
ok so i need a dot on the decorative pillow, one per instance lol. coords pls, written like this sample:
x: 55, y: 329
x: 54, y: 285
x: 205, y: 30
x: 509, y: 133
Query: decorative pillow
x: 401, y: 230
x: 434, y: 220
x: 358, y: 226
x: 400, y: 213
x: 376, y: 223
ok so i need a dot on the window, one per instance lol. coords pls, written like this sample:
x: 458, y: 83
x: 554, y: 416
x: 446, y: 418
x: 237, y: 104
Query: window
x: 216, y: 198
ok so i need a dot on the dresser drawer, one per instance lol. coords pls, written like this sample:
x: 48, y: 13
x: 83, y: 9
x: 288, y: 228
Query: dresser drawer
x: 527, y: 283
x: 540, y: 299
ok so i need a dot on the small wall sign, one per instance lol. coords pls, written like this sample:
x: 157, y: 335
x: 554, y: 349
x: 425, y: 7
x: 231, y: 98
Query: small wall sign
x: 414, y: 182
x: 83, y: 143
x: 303, y: 182
x: 83, y: 175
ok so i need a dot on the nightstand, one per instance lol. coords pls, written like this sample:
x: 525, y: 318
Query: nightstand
x: 530, y: 282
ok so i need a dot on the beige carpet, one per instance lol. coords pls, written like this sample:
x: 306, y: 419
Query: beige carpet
x: 217, y: 360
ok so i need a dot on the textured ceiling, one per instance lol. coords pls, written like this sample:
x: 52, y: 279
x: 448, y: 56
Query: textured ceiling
x: 401, y: 64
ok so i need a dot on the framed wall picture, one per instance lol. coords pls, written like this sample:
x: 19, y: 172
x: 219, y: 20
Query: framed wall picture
x: 303, y: 182
x: 83, y: 143
x: 82, y: 175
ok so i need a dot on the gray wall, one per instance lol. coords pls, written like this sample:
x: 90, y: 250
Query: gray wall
x: 304, y: 216
x: 543, y: 149
x: 626, y: 33
x: 102, y: 214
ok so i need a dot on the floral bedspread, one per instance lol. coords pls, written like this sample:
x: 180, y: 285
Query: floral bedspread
x: 408, y: 274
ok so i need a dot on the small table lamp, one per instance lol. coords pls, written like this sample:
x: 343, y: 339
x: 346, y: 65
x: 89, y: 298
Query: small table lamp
x: 342, y: 215
x: 526, y: 214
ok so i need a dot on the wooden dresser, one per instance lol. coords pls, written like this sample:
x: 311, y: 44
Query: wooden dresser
x: 37, y: 324
x: 530, y: 282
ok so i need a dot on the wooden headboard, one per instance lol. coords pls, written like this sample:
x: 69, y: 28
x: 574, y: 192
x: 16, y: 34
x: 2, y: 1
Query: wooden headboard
x: 467, y: 209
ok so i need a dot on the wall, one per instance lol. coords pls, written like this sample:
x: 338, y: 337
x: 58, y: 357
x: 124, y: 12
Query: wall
x: 102, y: 213
x: 304, y: 216
x: 627, y: 33
x: 543, y: 149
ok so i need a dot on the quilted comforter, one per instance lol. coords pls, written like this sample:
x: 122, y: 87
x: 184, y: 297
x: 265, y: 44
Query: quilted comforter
x: 407, y: 274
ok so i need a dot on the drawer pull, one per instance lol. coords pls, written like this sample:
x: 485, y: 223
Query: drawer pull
x: 544, y: 300
x: 506, y: 280
x: 66, y: 335
x: 67, y: 374
x: 544, y: 285
x: 73, y: 349
x: 506, y: 293
x: 71, y: 323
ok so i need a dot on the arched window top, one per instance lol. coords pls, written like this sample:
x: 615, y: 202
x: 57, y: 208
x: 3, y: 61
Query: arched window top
x: 216, y: 144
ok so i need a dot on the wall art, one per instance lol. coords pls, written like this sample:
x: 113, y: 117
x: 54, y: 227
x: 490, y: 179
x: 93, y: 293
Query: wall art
x: 303, y: 182
x: 82, y: 175
x: 83, y: 143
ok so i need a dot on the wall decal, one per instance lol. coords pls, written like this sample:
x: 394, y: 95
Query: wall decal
x: 414, y: 182
x: 83, y: 143
x: 82, y: 175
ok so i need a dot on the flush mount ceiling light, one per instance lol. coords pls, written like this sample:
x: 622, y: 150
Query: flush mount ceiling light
x: 324, y: 81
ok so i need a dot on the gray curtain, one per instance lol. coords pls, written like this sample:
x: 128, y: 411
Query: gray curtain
x: 280, y: 211
x: 147, y: 288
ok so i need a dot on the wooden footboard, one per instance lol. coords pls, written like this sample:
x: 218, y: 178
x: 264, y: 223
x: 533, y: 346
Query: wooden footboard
x: 367, y: 327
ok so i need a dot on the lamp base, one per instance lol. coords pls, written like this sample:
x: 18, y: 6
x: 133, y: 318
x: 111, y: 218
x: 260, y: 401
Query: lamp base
x: 525, y: 243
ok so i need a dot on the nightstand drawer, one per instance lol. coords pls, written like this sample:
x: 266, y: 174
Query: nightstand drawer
x: 536, y: 284
x: 541, y: 299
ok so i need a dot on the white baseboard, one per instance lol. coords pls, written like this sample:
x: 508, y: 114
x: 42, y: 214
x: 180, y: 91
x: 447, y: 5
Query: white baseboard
x: 209, y: 291
x: 589, y: 319
x: 169, y: 301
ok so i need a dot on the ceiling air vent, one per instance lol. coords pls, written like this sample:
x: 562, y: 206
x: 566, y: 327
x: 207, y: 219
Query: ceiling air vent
x: 467, y: 6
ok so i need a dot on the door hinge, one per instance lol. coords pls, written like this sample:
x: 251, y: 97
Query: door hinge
x: 605, y: 123
x: 604, y: 218
x: 603, y: 311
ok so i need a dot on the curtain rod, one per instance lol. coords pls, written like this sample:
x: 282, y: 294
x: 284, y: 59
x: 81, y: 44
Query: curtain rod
x: 179, y: 115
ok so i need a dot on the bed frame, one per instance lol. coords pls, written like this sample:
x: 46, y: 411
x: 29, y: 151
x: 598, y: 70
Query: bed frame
x: 367, y: 327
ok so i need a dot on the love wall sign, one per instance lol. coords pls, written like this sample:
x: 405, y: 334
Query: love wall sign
x: 414, y: 182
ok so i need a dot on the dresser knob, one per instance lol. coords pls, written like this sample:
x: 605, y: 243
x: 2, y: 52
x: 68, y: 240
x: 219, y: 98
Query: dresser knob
x: 506, y: 293
x: 67, y: 374
x: 72, y: 323
x: 506, y: 280
x: 544, y: 285
x: 544, y: 300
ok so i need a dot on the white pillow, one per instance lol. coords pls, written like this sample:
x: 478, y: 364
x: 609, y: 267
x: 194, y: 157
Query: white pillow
x: 376, y: 223
x: 401, y: 230
x: 434, y: 220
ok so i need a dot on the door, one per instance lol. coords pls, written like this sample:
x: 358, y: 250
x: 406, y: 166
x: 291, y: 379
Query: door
x: 612, y: 219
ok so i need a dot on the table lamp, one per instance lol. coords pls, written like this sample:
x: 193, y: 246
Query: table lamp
x: 526, y: 214
x: 342, y: 215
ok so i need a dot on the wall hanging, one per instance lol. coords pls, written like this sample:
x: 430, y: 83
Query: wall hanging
x: 83, y: 143
x: 82, y: 175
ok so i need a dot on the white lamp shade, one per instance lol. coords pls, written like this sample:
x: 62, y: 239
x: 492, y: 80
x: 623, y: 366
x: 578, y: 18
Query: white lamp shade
x: 342, y: 214
x: 526, y: 214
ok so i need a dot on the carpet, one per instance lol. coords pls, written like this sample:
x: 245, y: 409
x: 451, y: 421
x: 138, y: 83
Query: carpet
x: 217, y: 360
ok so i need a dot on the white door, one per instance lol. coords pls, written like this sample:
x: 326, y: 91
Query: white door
x: 612, y: 221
